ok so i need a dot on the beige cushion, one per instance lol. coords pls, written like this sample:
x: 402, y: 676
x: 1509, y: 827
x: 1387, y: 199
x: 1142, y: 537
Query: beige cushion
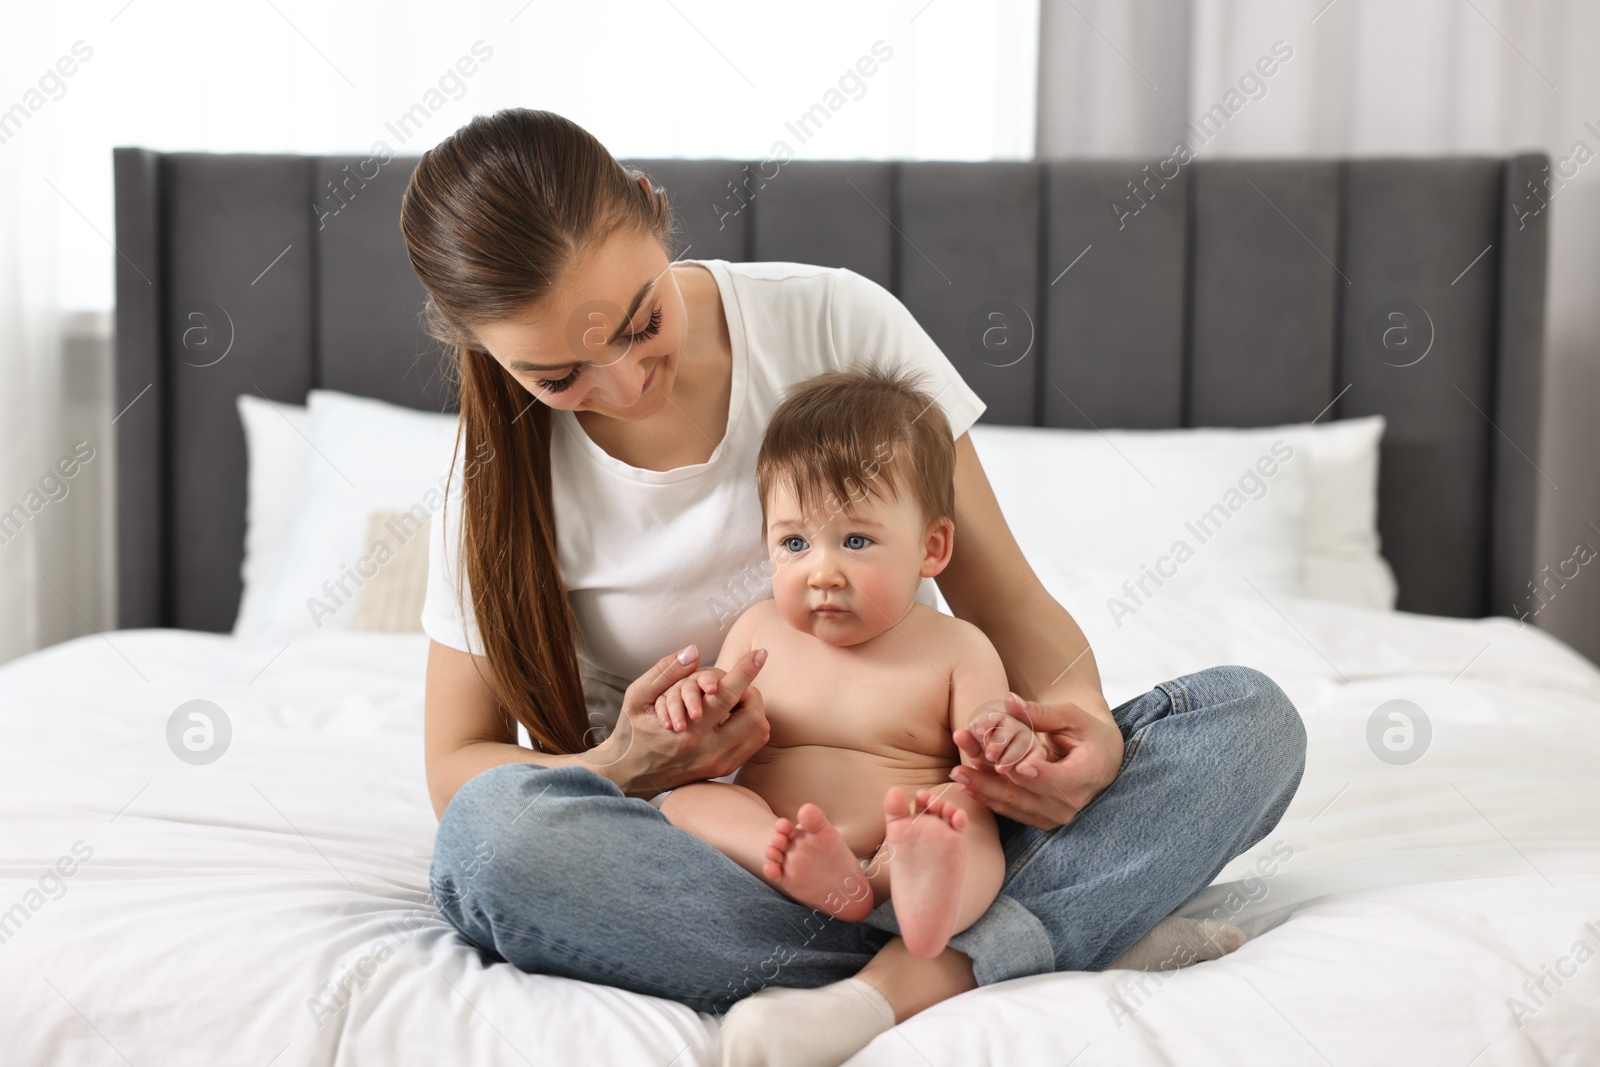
x: 391, y: 600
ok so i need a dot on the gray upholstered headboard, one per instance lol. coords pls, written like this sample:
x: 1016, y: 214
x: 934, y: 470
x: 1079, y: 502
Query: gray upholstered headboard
x: 1231, y: 293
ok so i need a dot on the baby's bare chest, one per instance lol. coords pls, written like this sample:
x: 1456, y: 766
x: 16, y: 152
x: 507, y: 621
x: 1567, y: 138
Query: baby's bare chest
x: 892, y: 703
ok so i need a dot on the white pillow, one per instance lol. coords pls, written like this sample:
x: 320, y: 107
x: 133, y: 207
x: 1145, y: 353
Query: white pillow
x: 369, y: 456
x: 1340, y: 549
x: 277, y: 448
x: 1185, y: 509
x: 1344, y: 558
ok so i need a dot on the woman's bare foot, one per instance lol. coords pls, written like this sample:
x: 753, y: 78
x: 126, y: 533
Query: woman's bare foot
x: 812, y: 864
x: 926, y: 857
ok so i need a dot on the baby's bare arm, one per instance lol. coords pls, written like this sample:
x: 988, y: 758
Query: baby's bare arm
x: 979, y: 675
x: 740, y: 639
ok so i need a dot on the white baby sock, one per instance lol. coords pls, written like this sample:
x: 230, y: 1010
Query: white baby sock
x: 1177, y: 942
x: 820, y: 1027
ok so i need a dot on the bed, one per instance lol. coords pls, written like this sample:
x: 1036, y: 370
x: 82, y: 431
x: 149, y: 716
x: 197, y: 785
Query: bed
x: 1440, y: 906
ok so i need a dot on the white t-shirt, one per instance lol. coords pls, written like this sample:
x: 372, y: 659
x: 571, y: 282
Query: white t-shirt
x: 654, y: 560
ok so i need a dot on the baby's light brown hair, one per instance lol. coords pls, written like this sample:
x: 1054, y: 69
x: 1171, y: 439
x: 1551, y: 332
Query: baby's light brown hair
x: 843, y: 436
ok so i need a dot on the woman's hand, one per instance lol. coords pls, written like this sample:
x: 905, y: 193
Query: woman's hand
x: 1039, y: 764
x: 644, y: 758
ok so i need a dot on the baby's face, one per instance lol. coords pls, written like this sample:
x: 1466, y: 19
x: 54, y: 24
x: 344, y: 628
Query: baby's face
x: 847, y: 576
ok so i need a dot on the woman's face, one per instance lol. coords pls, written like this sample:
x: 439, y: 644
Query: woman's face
x: 606, y: 339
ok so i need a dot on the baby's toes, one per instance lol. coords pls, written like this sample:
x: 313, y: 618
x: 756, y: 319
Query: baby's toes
x: 811, y: 817
x: 896, y: 805
x: 946, y: 810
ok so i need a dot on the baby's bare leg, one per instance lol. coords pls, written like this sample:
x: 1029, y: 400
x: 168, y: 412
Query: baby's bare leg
x: 985, y: 870
x: 806, y: 860
x: 734, y: 820
x: 945, y: 864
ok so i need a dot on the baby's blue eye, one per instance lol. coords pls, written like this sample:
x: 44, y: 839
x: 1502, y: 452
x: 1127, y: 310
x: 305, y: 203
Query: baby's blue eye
x: 850, y: 542
x: 794, y: 544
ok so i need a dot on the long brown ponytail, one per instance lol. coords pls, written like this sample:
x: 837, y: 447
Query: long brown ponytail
x: 492, y: 217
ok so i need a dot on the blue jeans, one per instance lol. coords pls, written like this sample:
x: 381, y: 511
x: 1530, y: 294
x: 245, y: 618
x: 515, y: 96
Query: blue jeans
x: 557, y: 872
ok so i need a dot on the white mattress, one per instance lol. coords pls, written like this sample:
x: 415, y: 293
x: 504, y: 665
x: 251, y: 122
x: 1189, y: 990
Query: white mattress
x: 219, y: 899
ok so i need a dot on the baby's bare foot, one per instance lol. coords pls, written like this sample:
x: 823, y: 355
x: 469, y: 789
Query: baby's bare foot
x: 926, y: 858
x: 811, y: 863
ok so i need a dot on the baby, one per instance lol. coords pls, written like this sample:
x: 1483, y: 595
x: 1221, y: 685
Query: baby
x: 863, y: 685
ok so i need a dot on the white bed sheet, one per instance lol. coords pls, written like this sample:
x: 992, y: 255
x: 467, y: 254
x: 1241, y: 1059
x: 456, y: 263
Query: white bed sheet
x: 219, y: 899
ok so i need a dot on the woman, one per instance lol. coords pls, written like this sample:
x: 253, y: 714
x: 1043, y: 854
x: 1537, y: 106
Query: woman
x: 611, y: 405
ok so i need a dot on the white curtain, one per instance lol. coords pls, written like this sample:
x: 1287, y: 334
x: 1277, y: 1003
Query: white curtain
x: 29, y: 343
x: 650, y: 78
x: 1380, y: 77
